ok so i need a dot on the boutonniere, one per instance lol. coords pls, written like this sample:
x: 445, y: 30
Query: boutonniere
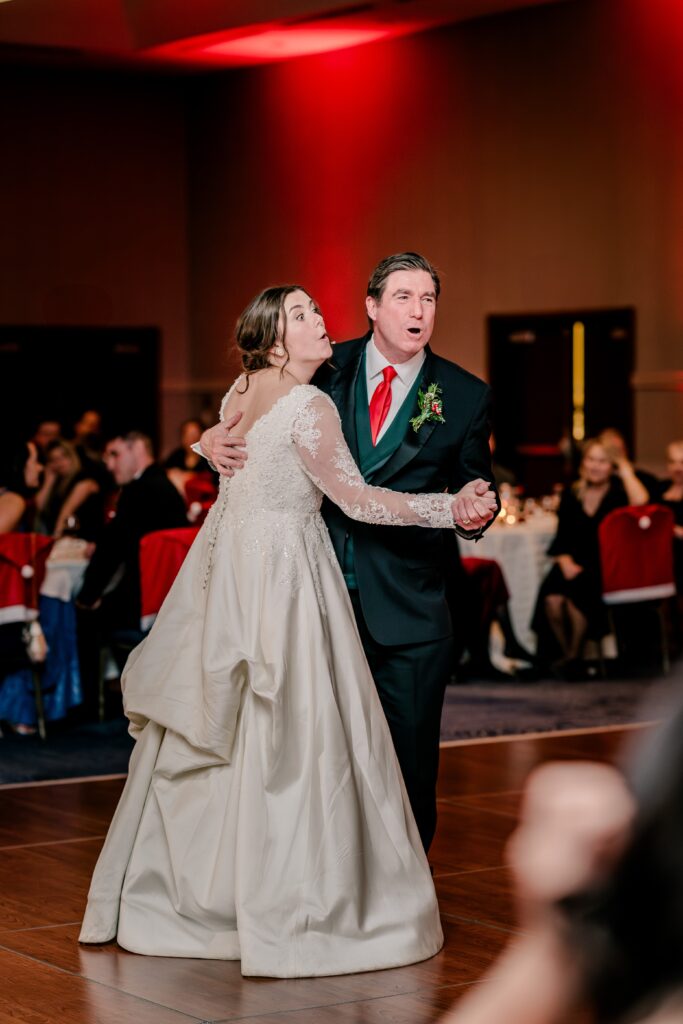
x: 431, y: 407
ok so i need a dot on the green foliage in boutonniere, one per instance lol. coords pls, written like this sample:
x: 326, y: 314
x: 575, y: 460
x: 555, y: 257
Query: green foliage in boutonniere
x: 431, y: 407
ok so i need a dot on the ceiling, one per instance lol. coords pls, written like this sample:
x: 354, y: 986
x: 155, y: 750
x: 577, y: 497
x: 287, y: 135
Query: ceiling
x: 201, y: 33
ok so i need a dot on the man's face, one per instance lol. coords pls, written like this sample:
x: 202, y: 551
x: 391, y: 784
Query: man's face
x: 121, y: 459
x: 190, y: 434
x: 675, y: 462
x: 89, y: 424
x: 60, y: 462
x: 47, y: 431
x: 403, y: 319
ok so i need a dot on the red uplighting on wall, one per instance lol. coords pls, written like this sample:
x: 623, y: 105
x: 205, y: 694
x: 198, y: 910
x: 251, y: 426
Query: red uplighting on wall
x: 273, y: 43
x: 279, y: 44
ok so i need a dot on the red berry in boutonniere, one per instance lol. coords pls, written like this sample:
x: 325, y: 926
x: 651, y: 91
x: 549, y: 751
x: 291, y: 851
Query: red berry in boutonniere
x: 431, y: 407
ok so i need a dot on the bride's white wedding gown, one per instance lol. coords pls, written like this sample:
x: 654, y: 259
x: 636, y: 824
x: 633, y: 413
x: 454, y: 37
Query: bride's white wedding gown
x: 264, y: 817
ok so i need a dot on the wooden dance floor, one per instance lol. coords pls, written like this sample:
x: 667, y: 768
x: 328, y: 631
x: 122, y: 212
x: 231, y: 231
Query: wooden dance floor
x: 50, y: 835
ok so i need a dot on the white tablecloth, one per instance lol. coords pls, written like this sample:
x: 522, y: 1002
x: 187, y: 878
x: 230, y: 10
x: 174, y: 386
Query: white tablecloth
x: 64, y: 569
x: 520, y: 551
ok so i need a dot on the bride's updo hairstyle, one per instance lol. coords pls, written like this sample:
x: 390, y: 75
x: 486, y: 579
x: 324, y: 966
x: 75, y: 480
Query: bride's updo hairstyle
x: 261, y: 326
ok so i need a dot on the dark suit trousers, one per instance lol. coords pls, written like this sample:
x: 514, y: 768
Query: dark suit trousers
x: 411, y: 681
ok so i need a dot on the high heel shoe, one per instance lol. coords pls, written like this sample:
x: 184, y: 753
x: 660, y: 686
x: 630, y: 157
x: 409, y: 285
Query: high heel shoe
x: 22, y: 729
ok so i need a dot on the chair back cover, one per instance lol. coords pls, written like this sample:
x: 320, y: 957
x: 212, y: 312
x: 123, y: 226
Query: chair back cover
x: 200, y: 488
x: 161, y: 555
x: 22, y: 571
x: 636, y: 554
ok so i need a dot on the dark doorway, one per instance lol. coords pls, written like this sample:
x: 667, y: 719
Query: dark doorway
x: 58, y: 372
x: 558, y: 378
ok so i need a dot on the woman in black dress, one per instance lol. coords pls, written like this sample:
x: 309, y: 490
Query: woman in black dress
x: 184, y: 463
x: 570, y: 599
x: 670, y: 493
x: 70, y: 498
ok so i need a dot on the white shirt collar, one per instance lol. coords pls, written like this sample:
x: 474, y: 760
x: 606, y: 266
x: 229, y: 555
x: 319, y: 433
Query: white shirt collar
x: 406, y: 372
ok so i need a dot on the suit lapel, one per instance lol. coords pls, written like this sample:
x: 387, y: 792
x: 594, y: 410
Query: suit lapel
x: 343, y: 393
x: 412, y: 441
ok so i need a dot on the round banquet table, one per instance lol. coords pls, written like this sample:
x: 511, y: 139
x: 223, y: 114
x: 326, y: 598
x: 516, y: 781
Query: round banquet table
x: 520, y: 551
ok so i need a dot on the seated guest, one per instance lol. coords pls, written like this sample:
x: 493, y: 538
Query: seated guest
x: 88, y: 433
x: 148, y: 502
x: 615, y: 443
x: 70, y: 497
x: 46, y: 431
x: 184, y: 462
x: 87, y: 440
x: 20, y: 471
x: 670, y: 493
x: 486, y: 600
x: 570, y: 599
x: 19, y: 475
x: 183, y: 457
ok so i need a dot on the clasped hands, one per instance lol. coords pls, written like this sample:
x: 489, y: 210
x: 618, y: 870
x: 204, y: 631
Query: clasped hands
x: 474, y: 505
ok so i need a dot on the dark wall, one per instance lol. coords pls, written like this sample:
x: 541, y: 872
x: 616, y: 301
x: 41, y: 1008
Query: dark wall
x: 93, y: 209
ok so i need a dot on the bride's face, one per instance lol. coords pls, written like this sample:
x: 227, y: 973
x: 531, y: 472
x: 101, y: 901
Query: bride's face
x: 305, y: 335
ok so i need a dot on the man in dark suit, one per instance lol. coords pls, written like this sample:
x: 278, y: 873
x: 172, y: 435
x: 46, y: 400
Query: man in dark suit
x: 148, y: 502
x: 398, y: 579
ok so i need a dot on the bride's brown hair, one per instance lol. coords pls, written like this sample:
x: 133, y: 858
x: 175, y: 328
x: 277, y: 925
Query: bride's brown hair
x: 259, y: 326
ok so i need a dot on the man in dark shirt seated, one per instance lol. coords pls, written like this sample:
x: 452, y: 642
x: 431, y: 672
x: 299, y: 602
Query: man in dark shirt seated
x: 148, y: 502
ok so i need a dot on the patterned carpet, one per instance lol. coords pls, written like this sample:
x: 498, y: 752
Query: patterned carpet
x: 471, y: 710
x: 499, y: 709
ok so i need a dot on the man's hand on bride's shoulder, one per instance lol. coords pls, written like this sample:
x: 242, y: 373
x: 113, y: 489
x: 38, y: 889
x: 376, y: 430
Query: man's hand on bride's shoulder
x: 227, y: 452
x: 474, y: 505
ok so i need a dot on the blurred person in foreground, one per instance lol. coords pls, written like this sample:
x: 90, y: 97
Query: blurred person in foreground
x: 148, y: 502
x: 20, y: 470
x: 70, y: 498
x: 597, y: 866
x: 570, y: 599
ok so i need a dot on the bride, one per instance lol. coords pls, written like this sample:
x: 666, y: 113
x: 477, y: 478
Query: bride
x: 264, y: 817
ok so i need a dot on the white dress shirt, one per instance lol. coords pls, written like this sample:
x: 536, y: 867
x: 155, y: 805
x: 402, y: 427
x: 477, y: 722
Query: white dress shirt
x: 406, y: 375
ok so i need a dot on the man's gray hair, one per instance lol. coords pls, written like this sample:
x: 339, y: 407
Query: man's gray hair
x: 400, y: 261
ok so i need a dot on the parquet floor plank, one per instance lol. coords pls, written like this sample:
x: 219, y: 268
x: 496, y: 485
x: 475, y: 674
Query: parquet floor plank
x: 468, y: 838
x: 33, y: 814
x: 47, y: 884
x: 506, y: 804
x: 31, y: 993
x: 215, y: 989
x: 496, y: 765
x: 412, y: 1008
x: 484, y: 897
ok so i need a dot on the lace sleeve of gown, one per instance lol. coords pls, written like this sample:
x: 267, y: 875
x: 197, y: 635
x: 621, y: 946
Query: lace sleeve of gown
x: 326, y: 459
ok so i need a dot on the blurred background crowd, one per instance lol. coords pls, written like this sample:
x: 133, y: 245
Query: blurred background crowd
x: 530, y: 602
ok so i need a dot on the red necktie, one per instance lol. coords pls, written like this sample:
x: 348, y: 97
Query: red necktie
x: 381, y: 402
